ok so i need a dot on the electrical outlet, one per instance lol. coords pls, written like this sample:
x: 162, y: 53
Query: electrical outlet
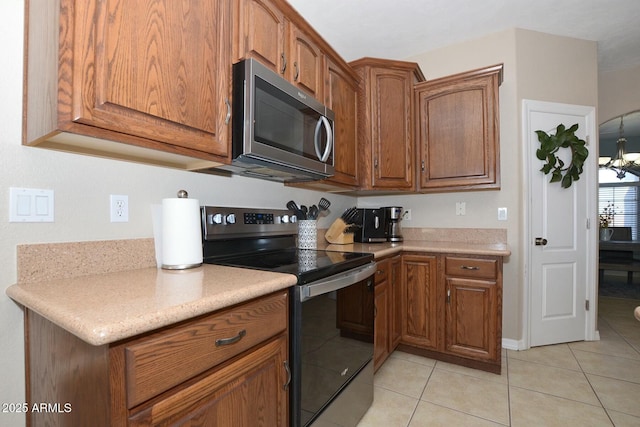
x: 119, y: 208
x: 461, y: 208
x: 406, y: 216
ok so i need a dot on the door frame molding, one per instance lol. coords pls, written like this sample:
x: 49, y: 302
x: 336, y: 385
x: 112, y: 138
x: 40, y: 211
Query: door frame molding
x: 590, y: 175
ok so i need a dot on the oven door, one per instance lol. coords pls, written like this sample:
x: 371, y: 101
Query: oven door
x: 332, y: 348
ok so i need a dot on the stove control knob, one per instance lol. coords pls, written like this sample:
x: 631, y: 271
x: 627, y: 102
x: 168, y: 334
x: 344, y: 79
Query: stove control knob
x: 293, y: 218
x: 284, y: 219
x: 231, y: 219
x: 217, y: 218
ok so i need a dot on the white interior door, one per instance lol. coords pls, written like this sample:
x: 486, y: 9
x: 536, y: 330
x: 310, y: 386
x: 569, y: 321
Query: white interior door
x: 560, y: 254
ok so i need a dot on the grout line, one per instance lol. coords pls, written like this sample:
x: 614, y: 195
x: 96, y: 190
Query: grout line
x: 506, y: 365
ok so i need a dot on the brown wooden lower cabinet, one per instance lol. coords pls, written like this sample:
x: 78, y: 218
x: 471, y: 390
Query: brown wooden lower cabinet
x: 244, y: 393
x: 395, y: 303
x: 389, y: 315
x: 452, y: 306
x: 225, y: 368
x: 382, y: 328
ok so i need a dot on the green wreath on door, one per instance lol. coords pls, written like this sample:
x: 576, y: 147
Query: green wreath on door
x: 551, y: 144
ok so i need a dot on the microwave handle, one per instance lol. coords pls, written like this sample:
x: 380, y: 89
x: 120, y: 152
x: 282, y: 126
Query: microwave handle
x: 323, y: 122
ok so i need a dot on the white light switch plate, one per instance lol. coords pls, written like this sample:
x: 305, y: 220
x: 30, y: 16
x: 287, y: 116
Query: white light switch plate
x: 30, y: 205
x: 502, y: 214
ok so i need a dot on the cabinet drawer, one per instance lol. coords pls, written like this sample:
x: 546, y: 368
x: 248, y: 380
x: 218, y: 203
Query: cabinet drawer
x: 471, y: 267
x: 163, y: 360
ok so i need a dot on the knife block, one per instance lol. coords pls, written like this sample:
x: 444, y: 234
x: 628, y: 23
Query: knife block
x: 336, y: 233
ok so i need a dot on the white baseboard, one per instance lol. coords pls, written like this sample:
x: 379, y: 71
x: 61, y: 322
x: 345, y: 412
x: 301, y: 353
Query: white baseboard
x: 510, y: 344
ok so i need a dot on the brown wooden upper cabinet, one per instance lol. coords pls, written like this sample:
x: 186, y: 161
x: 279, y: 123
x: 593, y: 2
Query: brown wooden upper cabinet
x: 263, y: 30
x: 458, y: 131
x: 273, y: 33
x: 385, y: 123
x: 341, y: 96
x: 152, y: 74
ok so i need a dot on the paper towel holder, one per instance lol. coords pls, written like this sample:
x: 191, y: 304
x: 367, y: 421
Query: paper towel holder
x: 189, y: 230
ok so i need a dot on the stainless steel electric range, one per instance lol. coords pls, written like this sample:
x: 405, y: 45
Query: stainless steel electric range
x: 331, y: 309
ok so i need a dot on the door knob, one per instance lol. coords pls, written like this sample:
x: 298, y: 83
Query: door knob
x: 541, y: 241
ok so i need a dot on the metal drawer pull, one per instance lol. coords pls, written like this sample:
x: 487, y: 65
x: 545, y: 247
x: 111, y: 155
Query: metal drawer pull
x: 286, y: 368
x: 468, y: 267
x: 227, y: 341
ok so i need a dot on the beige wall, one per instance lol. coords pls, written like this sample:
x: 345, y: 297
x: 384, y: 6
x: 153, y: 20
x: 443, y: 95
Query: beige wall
x: 618, y: 93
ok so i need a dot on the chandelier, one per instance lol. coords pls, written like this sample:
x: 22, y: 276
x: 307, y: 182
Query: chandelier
x: 623, y: 162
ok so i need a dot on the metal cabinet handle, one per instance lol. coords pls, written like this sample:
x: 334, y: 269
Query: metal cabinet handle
x: 422, y: 166
x: 541, y: 241
x: 288, y: 370
x: 295, y: 77
x: 469, y: 267
x: 448, y: 296
x: 228, y: 117
x: 284, y: 63
x: 380, y: 271
x: 232, y: 340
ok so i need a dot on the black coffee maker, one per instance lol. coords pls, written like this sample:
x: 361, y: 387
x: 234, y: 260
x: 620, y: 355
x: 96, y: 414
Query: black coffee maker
x: 393, y: 216
x: 371, y: 226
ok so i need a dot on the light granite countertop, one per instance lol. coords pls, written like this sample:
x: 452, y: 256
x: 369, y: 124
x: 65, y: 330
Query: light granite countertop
x: 108, y: 307
x: 103, y: 299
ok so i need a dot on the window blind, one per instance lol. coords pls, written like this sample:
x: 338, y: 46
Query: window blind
x: 623, y: 199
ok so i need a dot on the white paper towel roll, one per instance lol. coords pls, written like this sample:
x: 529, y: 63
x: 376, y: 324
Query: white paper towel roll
x: 181, y: 235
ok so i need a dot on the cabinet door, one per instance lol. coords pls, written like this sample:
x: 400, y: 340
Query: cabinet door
x: 341, y: 97
x: 471, y: 318
x: 419, y: 277
x: 395, y: 303
x: 306, y: 69
x: 250, y: 391
x: 152, y: 69
x: 259, y: 33
x: 382, y: 312
x: 458, y: 131
x: 381, y: 325
x: 391, y: 129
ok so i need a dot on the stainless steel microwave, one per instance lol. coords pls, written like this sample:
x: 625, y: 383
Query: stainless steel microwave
x: 279, y: 132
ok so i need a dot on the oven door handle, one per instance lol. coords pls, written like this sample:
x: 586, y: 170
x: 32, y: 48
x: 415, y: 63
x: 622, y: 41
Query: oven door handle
x: 335, y: 282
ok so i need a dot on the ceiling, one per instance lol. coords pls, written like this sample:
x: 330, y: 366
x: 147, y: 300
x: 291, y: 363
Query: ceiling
x: 404, y: 28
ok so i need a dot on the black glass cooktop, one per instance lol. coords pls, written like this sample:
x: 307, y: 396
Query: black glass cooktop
x: 308, y: 265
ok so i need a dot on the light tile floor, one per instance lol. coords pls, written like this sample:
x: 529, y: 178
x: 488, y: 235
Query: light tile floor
x: 577, y: 384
